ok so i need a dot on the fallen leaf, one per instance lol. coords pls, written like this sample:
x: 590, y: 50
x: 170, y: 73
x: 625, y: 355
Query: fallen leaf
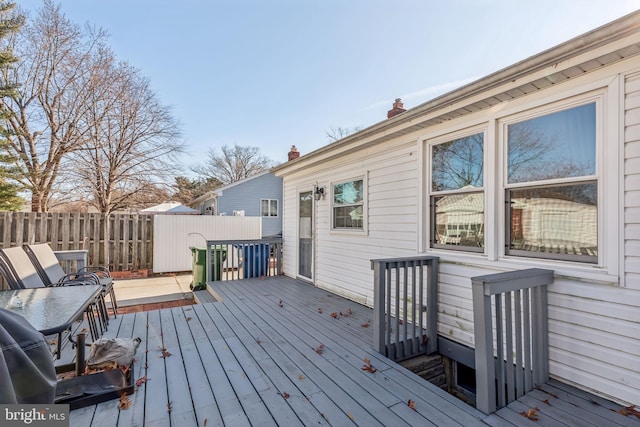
x: 261, y: 277
x: 258, y: 341
x: 349, y: 312
x: 300, y: 377
x: 334, y: 315
x: 425, y: 340
x: 141, y: 381
x: 412, y: 404
x: 169, y: 407
x: 280, y: 304
x: 365, y: 325
x: 400, y: 321
x: 284, y: 394
x: 205, y: 422
x: 350, y: 416
x: 319, y: 349
x: 530, y: 414
x: 124, y: 402
x: 188, y: 318
x: 320, y: 310
x: 546, y: 401
x: 165, y: 353
x: 631, y: 410
x: 53, y: 341
x: 368, y: 366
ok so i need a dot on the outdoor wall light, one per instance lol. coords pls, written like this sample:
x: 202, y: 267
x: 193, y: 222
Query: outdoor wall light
x: 319, y: 193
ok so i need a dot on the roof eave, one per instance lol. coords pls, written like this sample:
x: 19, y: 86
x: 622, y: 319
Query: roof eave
x: 607, y: 34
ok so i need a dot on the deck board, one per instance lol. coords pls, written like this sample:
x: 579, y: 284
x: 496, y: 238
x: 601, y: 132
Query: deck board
x: 249, y: 360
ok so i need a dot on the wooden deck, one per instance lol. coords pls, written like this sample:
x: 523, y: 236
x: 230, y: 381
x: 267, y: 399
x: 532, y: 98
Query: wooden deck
x: 270, y: 353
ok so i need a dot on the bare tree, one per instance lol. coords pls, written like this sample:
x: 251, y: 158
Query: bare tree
x: 235, y: 163
x: 458, y: 163
x: 129, y: 151
x: 53, y: 79
x: 335, y: 134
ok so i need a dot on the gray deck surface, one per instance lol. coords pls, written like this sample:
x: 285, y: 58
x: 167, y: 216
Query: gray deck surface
x: 265, y: 355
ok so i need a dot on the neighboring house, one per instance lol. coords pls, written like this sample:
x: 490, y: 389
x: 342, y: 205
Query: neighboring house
x: 536, y: 165
x: 258, y: 195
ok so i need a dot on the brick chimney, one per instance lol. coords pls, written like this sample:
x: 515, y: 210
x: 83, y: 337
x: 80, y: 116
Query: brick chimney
x: 294, y: 153
x: 397, y: 109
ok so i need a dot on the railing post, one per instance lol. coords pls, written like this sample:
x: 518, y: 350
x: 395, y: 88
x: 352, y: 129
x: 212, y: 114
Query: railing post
x: 208, y: 264
x: 485, y: 366
x: 379, y: 288
x: 432, y: 306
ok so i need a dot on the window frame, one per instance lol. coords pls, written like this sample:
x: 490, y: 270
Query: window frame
x: 563, y: 104
x: 269, y: 201
x: 433, y: 195
x: 363, y: 204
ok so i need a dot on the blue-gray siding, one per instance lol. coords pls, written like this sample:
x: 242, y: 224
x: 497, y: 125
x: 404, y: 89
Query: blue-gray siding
x: 247, y: 195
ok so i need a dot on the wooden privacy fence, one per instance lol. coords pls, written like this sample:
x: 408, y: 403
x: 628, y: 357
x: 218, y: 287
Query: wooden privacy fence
x: 121, y: 241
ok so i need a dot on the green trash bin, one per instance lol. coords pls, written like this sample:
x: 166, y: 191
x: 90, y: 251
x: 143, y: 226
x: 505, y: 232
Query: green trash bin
x: 199, y: 265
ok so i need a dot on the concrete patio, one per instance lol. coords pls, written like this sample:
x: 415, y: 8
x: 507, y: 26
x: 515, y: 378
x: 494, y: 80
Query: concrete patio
x: 153, y: 290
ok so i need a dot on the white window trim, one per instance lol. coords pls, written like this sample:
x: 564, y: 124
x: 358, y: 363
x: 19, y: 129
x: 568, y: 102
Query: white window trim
x: 545, y: 109
x: 365, y: 210
x: 277, y: 208
x: 441, y: 139
x: 609, y: 161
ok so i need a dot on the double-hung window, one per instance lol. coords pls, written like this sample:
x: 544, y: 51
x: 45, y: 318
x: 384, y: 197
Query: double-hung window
x: 551, y: 190
x: 457, y: 193
x: 348, y: 205
x: 269, y: 207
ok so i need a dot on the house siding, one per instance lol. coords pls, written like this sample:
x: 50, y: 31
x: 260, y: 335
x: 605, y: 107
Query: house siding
x: 388, y: 230
x: 632, y: 181
x: 594, y: 314
x: 246, y: 196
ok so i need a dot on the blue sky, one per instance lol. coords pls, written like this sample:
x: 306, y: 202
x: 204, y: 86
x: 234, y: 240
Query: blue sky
x: 273, y: 73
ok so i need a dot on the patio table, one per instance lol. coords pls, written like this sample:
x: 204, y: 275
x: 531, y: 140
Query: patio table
x: 51, y: 310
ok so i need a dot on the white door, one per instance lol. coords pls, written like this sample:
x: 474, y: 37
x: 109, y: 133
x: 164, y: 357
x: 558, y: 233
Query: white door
x: 305, y: 234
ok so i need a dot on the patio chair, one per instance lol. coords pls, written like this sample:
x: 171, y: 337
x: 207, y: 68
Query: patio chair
x: 20, y: 273
x: 45, y: 260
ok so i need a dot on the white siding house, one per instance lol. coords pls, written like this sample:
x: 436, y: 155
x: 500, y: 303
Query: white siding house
x: 549, y: 178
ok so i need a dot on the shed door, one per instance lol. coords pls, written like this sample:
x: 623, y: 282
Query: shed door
x: 305, y: 234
